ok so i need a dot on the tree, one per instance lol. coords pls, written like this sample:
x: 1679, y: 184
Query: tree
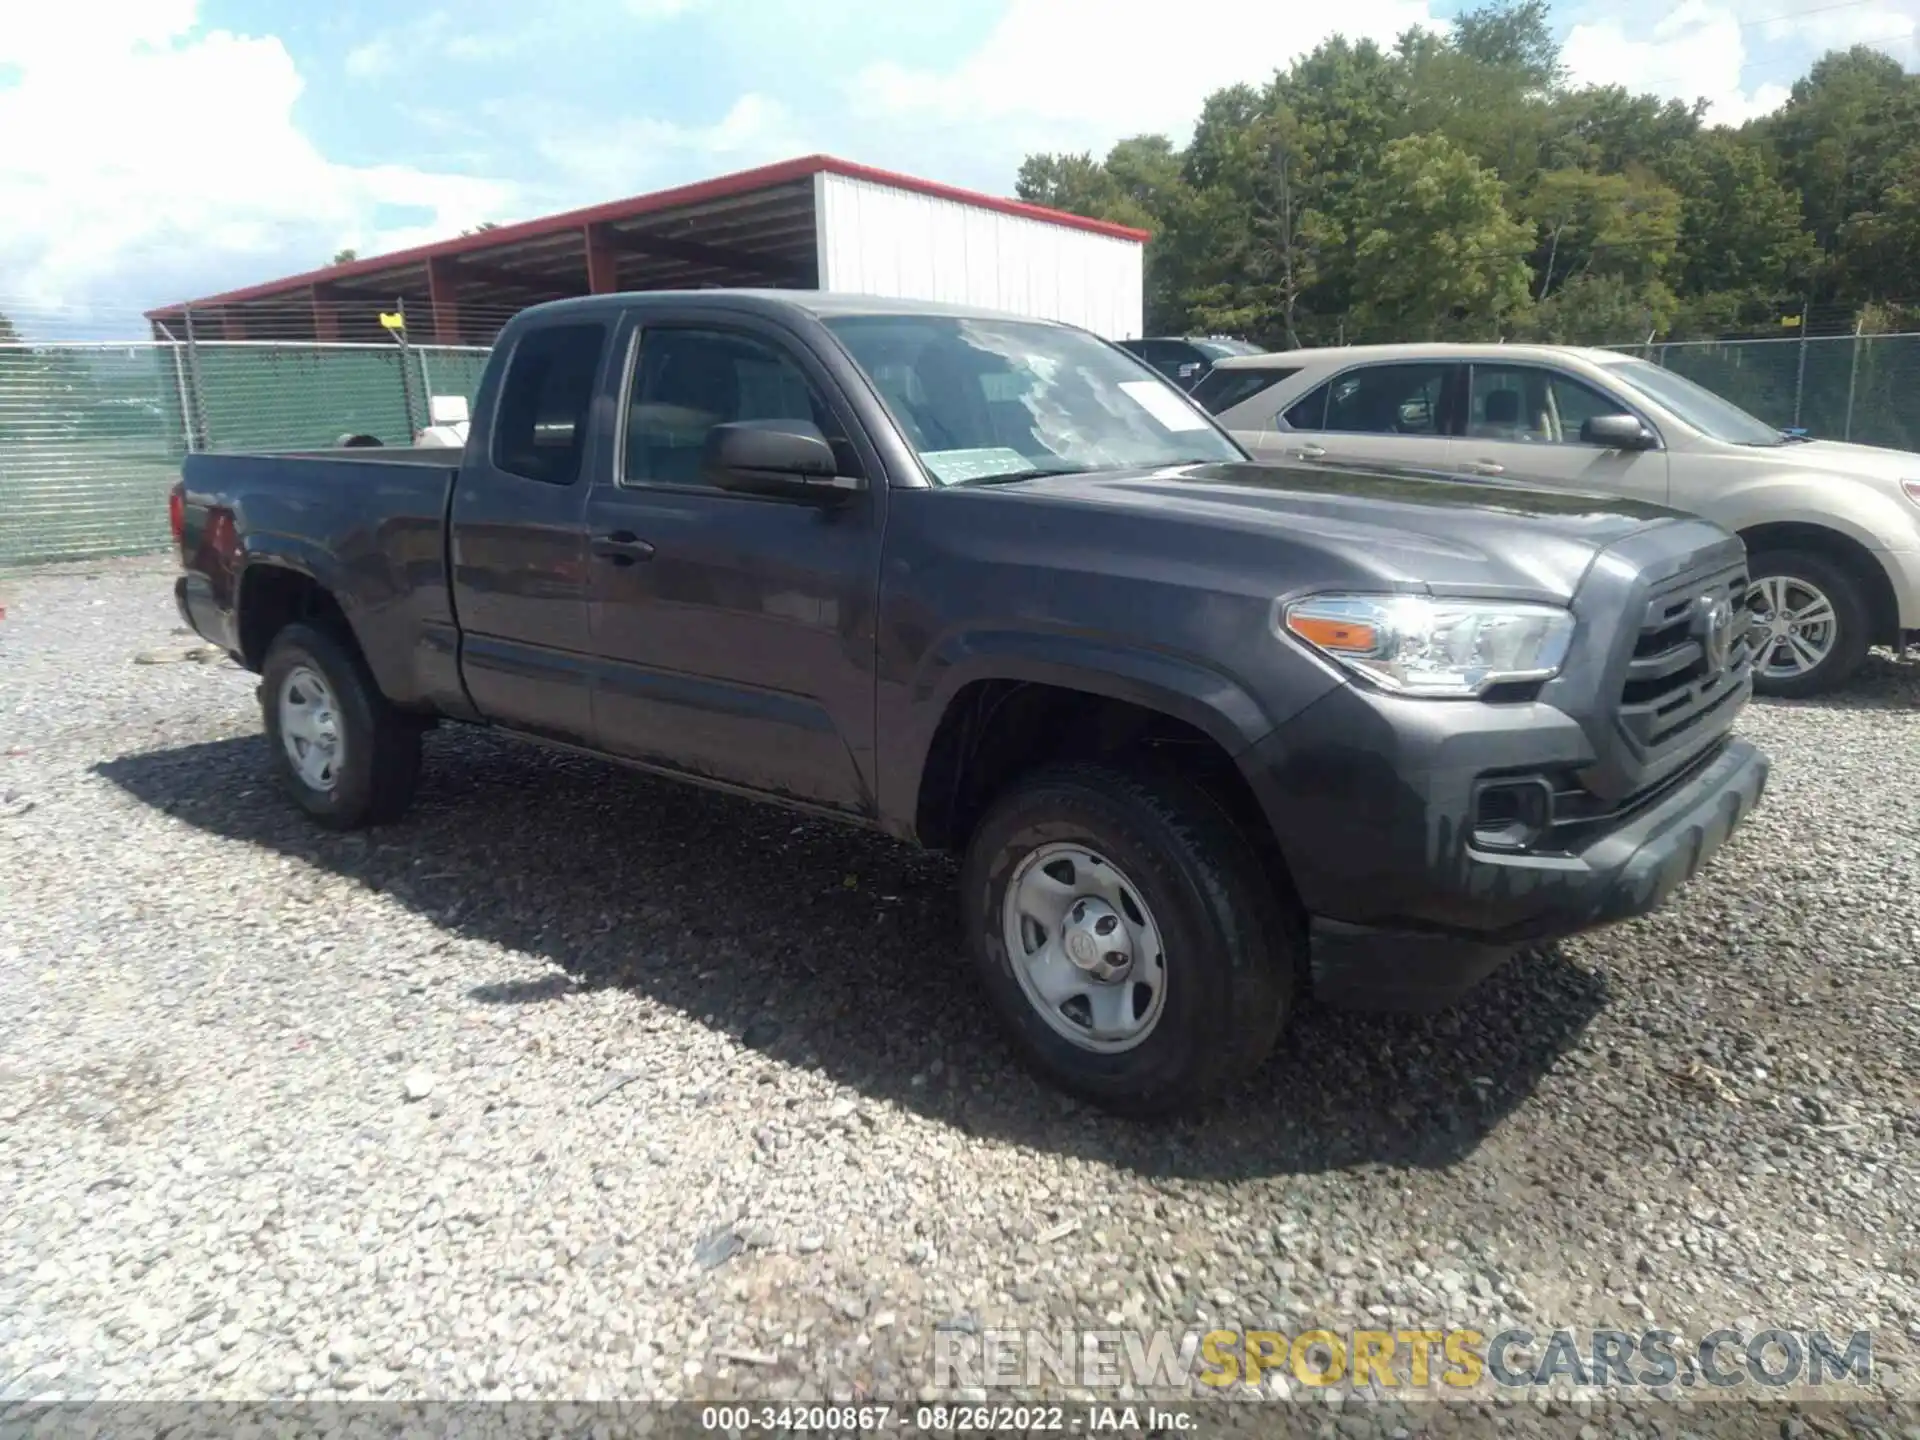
x: 1840, y: 136
x: 1078, y: 184
x: 484, y: 225
x: 345, y: 256
x: 1620, y: 228
x: 1437, y: 250
x: 1456, y: 184
x: 1517, y: 38
x: 1741, y: 230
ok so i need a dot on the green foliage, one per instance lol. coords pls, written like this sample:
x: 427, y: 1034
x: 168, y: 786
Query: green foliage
x: 342, y: 257
x: 1457, y: 185
x: 1434, y: 249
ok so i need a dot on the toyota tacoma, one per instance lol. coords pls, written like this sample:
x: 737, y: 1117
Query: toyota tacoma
x: 1208, y: 735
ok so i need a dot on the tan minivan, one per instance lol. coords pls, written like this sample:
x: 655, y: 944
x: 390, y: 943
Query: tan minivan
x: 1833, y: 530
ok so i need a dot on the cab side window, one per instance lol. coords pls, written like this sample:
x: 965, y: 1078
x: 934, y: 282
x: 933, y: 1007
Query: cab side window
x: 540, y: 419
x: 689, y: 380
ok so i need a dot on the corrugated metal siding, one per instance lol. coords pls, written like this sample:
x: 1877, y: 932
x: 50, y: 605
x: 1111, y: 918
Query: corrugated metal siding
x: 878, y: 240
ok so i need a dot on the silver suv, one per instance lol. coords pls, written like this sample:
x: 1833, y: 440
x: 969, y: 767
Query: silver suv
x: 1833, y: 530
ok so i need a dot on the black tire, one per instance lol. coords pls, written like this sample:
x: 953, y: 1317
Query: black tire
x: 1232, y: 944
x: 379, y: 766
x: 1854, y: 627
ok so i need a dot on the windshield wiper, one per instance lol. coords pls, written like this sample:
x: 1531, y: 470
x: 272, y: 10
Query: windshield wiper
x: 1005, y: 477
x: 1794, y: 436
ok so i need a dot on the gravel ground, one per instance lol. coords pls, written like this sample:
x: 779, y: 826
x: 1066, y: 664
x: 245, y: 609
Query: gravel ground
x: 578, y: 1084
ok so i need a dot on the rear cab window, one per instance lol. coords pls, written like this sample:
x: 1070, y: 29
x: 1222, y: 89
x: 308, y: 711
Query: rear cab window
x: 540, y: 418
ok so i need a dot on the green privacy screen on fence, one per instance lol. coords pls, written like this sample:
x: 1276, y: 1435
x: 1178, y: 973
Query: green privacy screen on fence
x: 91, y: 436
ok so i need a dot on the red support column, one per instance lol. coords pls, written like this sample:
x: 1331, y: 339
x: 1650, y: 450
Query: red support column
x: 326, y: 315
x: 446, y: 304
x: 603, y: 263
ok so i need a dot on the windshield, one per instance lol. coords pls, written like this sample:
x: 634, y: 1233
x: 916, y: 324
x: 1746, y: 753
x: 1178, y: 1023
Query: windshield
x: 1220, y: 349
x: 1695, y: 404
x: 987, y: 399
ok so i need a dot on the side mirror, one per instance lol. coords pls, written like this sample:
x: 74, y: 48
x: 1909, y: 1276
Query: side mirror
x: 1617, y: 432
x: 782, y: 459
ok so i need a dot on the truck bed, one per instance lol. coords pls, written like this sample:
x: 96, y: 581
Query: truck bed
x: 369, y: 524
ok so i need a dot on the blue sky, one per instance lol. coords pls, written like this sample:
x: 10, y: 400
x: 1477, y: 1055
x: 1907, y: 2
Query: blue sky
x: 152, y: 150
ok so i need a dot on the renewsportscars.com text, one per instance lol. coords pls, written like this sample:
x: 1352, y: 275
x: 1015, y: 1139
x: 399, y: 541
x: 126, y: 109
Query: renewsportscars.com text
x: 1439, y: 1360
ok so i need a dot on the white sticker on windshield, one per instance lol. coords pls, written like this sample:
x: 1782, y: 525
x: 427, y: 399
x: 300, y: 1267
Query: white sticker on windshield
x: 1162, y: 404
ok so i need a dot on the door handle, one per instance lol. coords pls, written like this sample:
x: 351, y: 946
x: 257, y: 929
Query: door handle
x: 622, y: 547
x: 1484, y: 467
x: 1308, y: 452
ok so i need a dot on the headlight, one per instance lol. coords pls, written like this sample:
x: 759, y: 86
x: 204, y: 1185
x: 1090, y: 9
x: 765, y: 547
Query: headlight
x: 1413, y: 645
x: 1912, y: 487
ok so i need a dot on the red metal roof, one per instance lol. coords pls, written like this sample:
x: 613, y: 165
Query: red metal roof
x: 739, y: 183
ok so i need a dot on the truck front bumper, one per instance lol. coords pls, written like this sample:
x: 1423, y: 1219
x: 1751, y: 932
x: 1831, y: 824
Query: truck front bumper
x: 1408, y: 910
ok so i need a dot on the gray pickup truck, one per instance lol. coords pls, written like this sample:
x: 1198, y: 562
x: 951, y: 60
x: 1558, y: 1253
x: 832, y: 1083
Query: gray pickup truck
x: 1209, y: 734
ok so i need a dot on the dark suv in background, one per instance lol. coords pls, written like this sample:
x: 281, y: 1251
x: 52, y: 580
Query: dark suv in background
x: 1185, y: 360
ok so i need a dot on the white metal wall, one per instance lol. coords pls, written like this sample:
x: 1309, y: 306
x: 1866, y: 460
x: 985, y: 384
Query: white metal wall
x: 879, y: 240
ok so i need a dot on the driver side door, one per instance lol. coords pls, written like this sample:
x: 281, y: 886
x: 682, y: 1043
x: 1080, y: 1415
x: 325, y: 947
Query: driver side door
x: 734, y: 633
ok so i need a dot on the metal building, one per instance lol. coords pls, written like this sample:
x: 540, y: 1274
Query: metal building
x: 812, y: 223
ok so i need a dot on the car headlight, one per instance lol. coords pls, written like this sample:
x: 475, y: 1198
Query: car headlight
x: 1414, y: 645
x: 1912, y: 487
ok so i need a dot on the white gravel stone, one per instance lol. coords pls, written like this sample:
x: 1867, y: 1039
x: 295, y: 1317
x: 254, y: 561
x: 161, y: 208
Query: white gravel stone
x: 210, y: 1182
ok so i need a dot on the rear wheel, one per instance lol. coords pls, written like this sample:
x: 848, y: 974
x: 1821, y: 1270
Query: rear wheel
x: 346, y: 756
x: 1810, y: 624
x: 1128, y: 937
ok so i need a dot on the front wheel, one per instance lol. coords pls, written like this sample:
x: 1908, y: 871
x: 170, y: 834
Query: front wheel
x: 1810, y: 624
x: 1128, y: 937
x: 346, y: 756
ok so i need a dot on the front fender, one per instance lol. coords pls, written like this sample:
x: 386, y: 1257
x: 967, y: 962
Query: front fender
x: 1872, y: 520
x: 1175, y: 685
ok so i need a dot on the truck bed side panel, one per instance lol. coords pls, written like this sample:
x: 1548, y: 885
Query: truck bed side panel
x: 370, y: 532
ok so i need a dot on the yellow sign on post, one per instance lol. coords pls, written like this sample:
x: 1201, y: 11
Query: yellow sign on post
x: 394, y: 321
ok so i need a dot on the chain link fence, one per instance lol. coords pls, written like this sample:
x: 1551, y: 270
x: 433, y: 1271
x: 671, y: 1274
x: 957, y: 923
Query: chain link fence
x: 92, y: 434
x: 1863, y: 388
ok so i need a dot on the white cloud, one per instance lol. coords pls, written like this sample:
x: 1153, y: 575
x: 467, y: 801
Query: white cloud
x: 435, y: 36
x: 195, y: 176
x: 1705, y: 49
x: 600, y: 161
x: 1080, y: 74
x: 1889, y: 27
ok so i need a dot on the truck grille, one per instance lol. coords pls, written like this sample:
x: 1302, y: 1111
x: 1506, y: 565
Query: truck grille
x: 1691, y: 659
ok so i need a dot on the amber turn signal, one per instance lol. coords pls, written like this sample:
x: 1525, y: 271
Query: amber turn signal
x: 1328, y: 634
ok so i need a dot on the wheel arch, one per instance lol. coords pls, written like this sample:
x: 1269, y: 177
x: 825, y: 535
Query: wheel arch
x: 1844, y: 550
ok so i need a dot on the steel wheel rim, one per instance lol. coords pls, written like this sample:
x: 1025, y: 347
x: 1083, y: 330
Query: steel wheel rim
x: 1794, y: 626
x: 310, y: 728
x: 1085, y: 948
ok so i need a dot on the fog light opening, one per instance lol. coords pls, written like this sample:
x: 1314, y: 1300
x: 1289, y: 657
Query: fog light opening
x: 1511, y: 814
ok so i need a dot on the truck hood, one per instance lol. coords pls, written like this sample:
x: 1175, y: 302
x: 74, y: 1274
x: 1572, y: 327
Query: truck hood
x: 1408, y: 530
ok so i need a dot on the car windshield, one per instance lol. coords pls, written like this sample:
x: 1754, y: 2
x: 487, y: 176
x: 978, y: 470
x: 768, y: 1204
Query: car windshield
x: 984, y: 399
x: 1717, y: 418
x: 1221, y: 349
